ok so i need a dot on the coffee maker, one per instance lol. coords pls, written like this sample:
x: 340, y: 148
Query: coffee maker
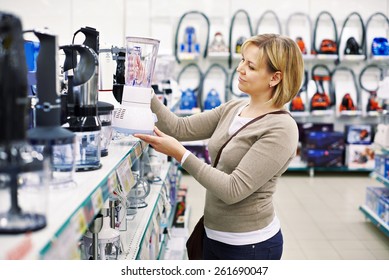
x: 83, y: 117
x: 48, y: 137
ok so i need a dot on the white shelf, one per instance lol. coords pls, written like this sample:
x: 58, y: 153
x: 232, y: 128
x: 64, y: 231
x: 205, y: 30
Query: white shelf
x: 70, y: 211
x: 134, y: 237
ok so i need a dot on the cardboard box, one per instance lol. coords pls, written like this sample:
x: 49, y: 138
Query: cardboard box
x: 325, y: 158
x: 330, y: 140
x: 360, y: 156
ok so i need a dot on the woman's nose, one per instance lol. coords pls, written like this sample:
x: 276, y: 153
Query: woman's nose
x: 239, y: 69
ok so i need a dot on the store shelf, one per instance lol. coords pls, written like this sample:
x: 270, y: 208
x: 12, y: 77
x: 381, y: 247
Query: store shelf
x: 380, y: 178
x: 70, y: 211
x: 145, y: 224
x: 375, y: 219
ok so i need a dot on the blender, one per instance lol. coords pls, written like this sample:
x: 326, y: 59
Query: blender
x: 23, y: 188
x: 102, y: 242
x: 48, y: 137
x: 134, y: 114
x: 83, y: 119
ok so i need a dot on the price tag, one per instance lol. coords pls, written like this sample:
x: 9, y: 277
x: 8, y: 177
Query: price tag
x: 79, y: 222
x: 112, y: 182
x: 97, y: 200
x: 125, y: 176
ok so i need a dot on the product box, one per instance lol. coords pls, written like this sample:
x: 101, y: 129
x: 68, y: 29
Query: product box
x: 373, y: 195
x: 383, y: 209
x: 307, y: 127
x: 359, y: 156
x: 381, y: 165
x: 329, y: 140
x: 359, y: 134
x: 324, y: 158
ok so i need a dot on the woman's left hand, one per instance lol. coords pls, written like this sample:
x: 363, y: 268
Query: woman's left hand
x: 164, y: 143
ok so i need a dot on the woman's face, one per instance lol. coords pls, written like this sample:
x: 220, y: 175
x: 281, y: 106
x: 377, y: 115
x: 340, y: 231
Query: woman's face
x: 254, y: 77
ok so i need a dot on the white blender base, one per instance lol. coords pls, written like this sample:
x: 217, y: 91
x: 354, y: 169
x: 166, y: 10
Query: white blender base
x: 134, y: 114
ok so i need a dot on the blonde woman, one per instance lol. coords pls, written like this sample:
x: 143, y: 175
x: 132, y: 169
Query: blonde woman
x: 239, y: 216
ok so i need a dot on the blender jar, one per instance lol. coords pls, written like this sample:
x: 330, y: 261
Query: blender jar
x: 23, y: 189
x: 141, y: 54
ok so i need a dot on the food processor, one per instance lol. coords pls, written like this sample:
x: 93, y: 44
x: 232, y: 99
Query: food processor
x: 102, y: 241
x: 83, y: 119
x: 48, y: 137
x: 23, y: 186
x: 134, y: 115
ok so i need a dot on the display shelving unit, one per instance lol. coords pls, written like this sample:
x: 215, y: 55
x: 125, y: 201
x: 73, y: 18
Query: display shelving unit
x: 70, y: 211
x: 369, y: 213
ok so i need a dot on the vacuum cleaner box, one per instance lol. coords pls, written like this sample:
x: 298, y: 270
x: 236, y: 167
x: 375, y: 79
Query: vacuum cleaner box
x: 373, y: 196
x: 328, y: 140
x: 324, y: 158
x: 360, y: 156
x: 359, y: 134
x: 383, y: 208
x: 308, y: 127
x: 381, y: 165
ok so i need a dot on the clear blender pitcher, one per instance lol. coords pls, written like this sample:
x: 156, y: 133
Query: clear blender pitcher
x: 141, y: 54
x: 134, y: 115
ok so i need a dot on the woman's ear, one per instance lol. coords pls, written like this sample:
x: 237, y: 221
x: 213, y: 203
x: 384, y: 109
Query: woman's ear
x: 276, y: 78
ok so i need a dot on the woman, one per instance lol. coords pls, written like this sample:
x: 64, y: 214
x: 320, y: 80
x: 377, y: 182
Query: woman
x: 239, y: 215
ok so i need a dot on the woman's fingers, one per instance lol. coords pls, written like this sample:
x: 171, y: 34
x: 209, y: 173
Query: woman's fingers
x: 158, y: 132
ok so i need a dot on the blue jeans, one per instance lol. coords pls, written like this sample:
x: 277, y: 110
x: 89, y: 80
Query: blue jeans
x: 270, y: 249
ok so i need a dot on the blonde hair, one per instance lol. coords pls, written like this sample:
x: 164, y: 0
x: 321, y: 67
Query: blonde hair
x: 280, y: 53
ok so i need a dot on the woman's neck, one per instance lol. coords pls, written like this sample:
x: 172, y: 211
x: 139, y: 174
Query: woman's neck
x: 257, y: 108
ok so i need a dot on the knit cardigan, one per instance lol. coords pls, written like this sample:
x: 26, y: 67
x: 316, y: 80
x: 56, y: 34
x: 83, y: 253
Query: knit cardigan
x: 239, y: 191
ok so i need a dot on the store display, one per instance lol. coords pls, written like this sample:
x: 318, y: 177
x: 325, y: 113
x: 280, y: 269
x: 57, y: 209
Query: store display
x: 212, y: 100
x: 346, y: 91
x: 101, y: 241
x: 215, y: 97
x: 323, y: 98
x: 303, y: 34
x: 195, y: 92
x: 218, y: 45
x: 48, y: 137
x: 140, y: 226
x: 84, y: 120
x: 372, y: 104
x: 298, y: 103
x: 262, y: 18
x: 239, y: 43
x: 230, y: 39
x: 352, y: 47
x: 379, y: 45
x: 190, y: 44
x: 327, y: 45
x: 359, y: 134
x: 134, y: 114
x: 23, y: 179
x: 360, y: 156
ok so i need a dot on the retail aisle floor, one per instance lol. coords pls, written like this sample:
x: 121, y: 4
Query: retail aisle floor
x: 319, y: 216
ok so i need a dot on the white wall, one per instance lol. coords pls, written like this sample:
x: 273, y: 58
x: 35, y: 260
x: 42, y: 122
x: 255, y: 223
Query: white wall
x: 116, y: 19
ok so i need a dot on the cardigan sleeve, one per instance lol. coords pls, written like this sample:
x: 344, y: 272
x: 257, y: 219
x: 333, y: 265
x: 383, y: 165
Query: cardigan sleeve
x: 268, y: 157
x: 196, y: 127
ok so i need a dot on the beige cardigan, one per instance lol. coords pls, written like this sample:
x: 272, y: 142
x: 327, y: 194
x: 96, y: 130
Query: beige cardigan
x: 240, y: 189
